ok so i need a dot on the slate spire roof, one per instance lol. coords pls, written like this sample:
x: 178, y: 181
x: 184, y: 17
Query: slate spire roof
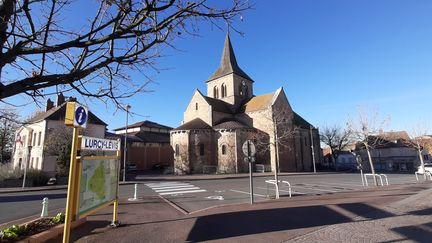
x: 228, y: 63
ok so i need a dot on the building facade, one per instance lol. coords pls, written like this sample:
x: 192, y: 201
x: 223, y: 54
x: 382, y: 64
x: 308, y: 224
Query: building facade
x: 31, y: 138
x: 148, y: 145
x: 216, y: 125
x: 392, y: 152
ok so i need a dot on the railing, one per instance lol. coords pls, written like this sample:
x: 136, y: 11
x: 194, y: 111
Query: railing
x: 380, y: 176
x: 427, y: 173
x: 273, y: 182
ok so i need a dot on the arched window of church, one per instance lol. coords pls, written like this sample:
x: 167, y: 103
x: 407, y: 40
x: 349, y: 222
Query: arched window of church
x: 202, y: 149
x: 223, y: 149
x: 177, y: 150
x: 214, y: 92
x: 223, y: 91
x: 196, y: 106
x: 243, y: 90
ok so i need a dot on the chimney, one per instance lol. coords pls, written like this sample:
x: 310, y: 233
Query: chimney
x: 60, y: 99
x: 49, y: 105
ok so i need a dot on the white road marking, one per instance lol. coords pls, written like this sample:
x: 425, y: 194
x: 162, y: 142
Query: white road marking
x: 247, y: 193
x: 165, y: 184
x: 181, y: 192
x: 170, y: 187
x: 177, y: 189
x: 174, y: 188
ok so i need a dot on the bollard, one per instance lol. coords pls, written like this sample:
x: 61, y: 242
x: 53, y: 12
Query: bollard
x: 135, y: 191
x: 135, y: 198
x: 44, y: 212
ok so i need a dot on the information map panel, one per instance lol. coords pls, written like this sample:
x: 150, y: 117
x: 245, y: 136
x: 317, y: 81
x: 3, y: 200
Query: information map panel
x: 98, y: 183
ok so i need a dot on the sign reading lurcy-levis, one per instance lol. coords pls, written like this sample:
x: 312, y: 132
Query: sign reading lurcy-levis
x: 90, y: 143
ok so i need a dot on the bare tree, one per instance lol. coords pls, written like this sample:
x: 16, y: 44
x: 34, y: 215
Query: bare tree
x: 8, y: 124
x: 277, y: 135
x: 59, y: 144
x: 366, y: 129
x: 40, y: 50
x: 420, y: 140
x: 337, y: 138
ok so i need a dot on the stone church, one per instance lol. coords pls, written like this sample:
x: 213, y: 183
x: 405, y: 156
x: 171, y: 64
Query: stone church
x: 216, y: 125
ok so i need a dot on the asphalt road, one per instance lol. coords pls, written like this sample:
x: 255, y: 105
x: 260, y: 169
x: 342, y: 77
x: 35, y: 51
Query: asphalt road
x: 196, y: 195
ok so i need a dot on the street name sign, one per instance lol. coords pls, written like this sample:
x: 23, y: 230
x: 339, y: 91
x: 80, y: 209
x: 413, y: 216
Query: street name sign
x: 90, y: 143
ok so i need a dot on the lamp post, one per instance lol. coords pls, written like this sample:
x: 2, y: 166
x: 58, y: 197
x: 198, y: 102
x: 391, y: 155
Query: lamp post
x: 125, y: 143
x: 26, y: 164
x: 312, y: 149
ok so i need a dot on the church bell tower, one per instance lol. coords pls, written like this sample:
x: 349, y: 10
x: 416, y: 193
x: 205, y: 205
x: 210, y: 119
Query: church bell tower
x: 229, y: 82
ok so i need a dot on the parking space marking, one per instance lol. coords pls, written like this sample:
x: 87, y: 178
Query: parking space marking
x: 259, y: 195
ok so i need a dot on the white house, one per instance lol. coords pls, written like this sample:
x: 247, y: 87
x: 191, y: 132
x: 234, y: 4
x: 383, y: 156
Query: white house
x: 31, y: 137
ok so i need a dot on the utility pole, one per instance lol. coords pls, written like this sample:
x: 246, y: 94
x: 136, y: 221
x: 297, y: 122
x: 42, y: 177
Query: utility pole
x: 125, y: 143
x: 312, y: 149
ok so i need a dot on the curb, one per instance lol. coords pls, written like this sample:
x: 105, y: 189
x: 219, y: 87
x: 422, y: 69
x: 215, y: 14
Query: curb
x: 46, y: 188
x: 221, y: 176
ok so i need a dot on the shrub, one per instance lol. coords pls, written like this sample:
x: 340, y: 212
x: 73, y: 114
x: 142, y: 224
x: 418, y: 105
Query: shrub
x: 59, y: 218
x: 38, y: 178
x: 7, y: 172
x: 15, y: 231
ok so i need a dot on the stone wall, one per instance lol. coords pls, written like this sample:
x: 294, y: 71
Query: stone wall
x: 198, y: 108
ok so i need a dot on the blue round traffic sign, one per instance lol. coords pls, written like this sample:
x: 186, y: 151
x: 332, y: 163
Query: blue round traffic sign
x: 80, y: 115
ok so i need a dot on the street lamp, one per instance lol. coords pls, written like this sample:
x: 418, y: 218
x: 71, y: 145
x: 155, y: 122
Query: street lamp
x: 125, y: 143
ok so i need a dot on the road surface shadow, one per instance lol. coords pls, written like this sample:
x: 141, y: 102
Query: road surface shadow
x: 225, y: 225
x: 416, y: 233
x: 23, y: 198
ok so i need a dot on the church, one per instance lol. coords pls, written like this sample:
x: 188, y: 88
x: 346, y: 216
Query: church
x: 216, y: 125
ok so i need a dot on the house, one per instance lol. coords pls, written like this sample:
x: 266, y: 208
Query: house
x: 31, y: 138
x: 148, y: 144
x: 216, y: 125
x: 391, y: 152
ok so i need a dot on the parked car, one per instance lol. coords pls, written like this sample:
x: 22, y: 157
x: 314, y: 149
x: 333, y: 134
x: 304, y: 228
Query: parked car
x: 52, y: 181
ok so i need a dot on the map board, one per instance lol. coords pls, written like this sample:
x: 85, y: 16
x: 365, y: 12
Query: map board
x: 98, y: 183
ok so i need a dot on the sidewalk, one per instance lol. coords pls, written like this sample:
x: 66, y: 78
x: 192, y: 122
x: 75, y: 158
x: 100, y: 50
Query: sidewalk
x: 394, y: 213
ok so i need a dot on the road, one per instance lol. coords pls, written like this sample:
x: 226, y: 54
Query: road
x: 196, y: 195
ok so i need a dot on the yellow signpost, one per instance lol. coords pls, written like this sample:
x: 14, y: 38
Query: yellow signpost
x: 77, y: 116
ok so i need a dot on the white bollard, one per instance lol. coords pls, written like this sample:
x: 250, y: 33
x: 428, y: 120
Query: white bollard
x: 135, y: 198
x: 135, y: 191
x: 44, y: 212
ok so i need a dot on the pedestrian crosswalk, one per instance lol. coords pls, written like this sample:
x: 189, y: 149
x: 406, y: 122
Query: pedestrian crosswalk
x: 171, y: 188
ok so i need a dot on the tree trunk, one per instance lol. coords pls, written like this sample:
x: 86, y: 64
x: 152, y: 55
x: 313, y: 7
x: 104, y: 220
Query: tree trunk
x: 422, y: 163
x: 371, y: 164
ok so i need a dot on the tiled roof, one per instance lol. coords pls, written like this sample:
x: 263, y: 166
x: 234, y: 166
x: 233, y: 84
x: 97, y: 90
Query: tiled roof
x: 230, y: 124
x: 58, y: 113
x: 393, y: 136
x: 257, y: 103
x: 145, y: 123
x: 196, y: 123
x: 228, y: 63
x: 152, y: 137
x: 218, y: 105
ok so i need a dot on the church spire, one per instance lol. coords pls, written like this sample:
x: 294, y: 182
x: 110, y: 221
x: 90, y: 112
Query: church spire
x: 228, y: 63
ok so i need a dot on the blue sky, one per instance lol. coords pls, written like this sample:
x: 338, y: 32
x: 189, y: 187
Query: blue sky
x: 330, y: 56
